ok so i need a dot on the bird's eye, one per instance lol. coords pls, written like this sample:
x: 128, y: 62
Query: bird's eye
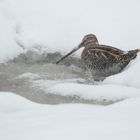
x: 85, y: 38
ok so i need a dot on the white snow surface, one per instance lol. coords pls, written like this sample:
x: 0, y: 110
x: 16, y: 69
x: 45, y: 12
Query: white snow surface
x: 8, y: 47
x: 96, y: 92
x: 22, y: 119
x: 100, y: 92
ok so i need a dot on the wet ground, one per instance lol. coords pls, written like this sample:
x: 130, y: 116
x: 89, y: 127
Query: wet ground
x: 23, y: 74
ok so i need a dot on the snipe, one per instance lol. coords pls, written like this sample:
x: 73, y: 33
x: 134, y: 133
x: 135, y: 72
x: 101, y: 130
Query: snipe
x: 102, y: 60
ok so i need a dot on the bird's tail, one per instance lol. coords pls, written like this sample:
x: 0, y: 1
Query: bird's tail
x: 137, y: 50
x: 130, y: 55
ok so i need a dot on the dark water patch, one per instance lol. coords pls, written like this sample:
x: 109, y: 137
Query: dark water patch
x: 42, y: 66
x: 31, y: 57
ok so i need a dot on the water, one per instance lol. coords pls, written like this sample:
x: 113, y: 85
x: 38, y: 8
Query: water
x: 21, y: 74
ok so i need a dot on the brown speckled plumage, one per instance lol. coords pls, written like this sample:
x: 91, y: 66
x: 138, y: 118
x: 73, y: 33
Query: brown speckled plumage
x: 103, y: 60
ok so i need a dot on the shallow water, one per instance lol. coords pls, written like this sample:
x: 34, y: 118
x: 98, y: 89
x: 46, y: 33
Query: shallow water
x: 22, y: 74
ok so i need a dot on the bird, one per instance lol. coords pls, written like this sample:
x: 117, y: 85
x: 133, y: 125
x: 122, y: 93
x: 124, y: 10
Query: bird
x: 102, y: 60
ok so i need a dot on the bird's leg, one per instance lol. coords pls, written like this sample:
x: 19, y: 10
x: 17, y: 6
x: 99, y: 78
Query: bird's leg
x: 88, y: 77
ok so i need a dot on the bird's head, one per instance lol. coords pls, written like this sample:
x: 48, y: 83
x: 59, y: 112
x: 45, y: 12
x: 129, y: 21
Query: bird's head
x: 88, y: 39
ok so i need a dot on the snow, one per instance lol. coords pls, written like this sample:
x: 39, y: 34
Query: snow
x: 60, y: 25
x: 29, y: 76
x: 68, y: 24
x: 8, y: 47
x: 96, y: 92
x: 49, y: 25
x: 22, y: 119
x: 99, y: 92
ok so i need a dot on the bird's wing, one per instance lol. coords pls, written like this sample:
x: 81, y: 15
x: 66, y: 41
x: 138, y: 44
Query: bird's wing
x: 110, y: 49
x: 105, y: 53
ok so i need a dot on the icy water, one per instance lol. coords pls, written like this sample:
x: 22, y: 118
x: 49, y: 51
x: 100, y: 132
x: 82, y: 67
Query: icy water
x: 24, y: 74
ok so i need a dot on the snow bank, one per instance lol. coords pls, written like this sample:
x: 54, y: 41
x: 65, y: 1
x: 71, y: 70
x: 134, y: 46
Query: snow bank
x: 8, y: 47
x: 13, y: 103
x: 22, y: 119
x: 95, y: 92
x: 100, y: 93
x: 60, y: 25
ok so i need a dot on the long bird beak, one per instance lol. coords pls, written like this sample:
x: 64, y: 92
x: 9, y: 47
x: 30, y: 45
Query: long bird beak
x: 74, y: 50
